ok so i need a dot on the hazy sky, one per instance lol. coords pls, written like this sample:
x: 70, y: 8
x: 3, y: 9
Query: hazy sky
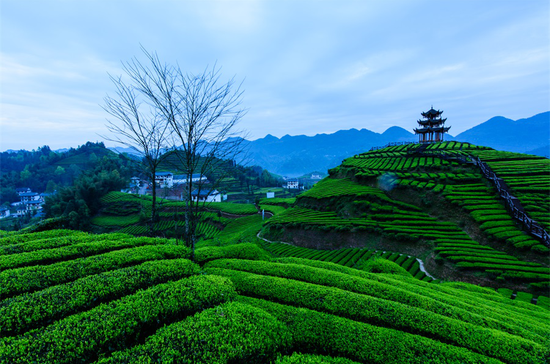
x: 308, y: 67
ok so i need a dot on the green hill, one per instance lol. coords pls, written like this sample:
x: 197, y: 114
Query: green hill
x: 433, y: 205
x: 353, y: 286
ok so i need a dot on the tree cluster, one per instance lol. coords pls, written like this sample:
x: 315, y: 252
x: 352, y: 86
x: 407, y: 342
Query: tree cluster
x: 80, y: 201
x: 44, y: 170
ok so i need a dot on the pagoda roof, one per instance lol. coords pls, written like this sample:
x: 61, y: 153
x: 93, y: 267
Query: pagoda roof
x: 431, y: 121
x: 432, y: 113
x: 440, y: 129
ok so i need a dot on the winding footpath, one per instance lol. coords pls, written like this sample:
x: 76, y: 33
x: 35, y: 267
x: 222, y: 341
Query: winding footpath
x: 420, y: 262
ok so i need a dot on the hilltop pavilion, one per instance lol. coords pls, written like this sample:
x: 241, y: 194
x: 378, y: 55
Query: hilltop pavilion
x: 431, y: 127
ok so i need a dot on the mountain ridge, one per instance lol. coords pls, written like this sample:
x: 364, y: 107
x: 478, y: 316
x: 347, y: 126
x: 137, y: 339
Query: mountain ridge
x: 296, y: 155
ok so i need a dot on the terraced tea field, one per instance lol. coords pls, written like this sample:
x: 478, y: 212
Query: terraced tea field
x: 127, y: 213
x: 71, y: 297
x: 394, y: 194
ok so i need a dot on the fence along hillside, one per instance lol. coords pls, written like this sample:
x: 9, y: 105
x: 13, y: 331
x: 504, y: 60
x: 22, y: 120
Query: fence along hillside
x: 513, y: 204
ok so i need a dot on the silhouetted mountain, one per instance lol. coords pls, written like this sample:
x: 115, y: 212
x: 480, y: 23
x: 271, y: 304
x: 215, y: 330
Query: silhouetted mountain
x: 296, y: 155
x: 542, y: 151
x: 521, y: 136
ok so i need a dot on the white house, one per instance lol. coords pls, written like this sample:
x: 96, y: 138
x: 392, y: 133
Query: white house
x: 135, y: 182
x: 168, y: 179
x: 4, y: 212
x: 270, y: 194
x: 164, y: 179
x: 30, y: 206
x: 206, y: 196
x: 29, y: 196
x: 21, y: 190
x: 316, y: 176
x: 292, y: 183
x: 180, y: 179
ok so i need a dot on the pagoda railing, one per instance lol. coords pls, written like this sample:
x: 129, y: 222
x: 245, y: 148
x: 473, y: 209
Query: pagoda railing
x: 392, y: 144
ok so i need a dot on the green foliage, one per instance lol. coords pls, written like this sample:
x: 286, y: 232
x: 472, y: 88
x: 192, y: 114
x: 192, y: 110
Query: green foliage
x: 493, y: 306
x: 367, y: 309
x: 408, y: 293
x: 297, y: 358
x: 50, y: 242
x: 274, y: 209
x: 31, y: 310
x: 27, y: 237
x: 239, y: 251
x: 379, y: 265
x: 232, y: 332
x: 233, y: 208
x: 43, y: 170
x: 284, y: 202
x: 81, y: 201
x: 85, y: 336
x: 72, y: 251
x: 240, y: 230
x: 30, y: 279
x: 361, y: 341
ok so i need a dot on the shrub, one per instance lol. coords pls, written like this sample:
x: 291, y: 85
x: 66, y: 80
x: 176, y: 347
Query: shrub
x: 30, y: 310
x: 379, y: 265
x: 108, y: 327
x: 383, y: 312
x: 29, y: 279
x: 322, y: 333
x: 298, y: 358
x: 232, y: 332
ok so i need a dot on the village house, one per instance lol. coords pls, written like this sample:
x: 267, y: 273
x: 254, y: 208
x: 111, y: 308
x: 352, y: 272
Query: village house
x: 292, y: 183
x: 135, y: 182
x: 29, y: 196
x: 21, y: 190
x: 168, y: 179
x: 206, y: 196
x: 30, y: 206
x: 4, y: 212
x: 195, y: 178
x: 164, y: 179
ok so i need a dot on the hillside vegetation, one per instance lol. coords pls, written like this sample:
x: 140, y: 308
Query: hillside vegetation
x: 362, y: 268
x: 433, y: 205
x: 125, y: 299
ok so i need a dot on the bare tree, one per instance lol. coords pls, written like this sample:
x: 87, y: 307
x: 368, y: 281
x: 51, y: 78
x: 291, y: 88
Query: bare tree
x: 201, y: 113
x: 140, y: 128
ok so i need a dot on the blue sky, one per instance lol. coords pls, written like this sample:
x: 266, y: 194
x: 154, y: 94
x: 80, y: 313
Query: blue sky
x: 308, y: 67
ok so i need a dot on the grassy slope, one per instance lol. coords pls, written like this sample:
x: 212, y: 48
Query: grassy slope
x: 327, y: 312
x: 434, y: 208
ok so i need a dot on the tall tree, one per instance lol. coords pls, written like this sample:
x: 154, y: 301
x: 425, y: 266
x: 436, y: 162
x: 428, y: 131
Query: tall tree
x: 140, y: 126
x: 201, y: 112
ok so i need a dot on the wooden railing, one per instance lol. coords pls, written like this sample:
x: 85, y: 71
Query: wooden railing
x: 513, y: 205
x: 391, y: 144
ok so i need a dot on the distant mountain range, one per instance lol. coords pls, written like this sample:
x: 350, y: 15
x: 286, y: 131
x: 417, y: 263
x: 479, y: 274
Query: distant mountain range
x: 297, y: 155
x: 531, y: 135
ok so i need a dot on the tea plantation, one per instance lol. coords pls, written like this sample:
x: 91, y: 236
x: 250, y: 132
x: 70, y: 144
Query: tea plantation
x: 350, y: 288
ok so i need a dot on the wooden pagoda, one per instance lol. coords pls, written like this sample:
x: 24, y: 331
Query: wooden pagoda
x: 431, y: 127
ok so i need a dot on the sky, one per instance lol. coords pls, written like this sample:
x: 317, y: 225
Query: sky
x: 307, y: 67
